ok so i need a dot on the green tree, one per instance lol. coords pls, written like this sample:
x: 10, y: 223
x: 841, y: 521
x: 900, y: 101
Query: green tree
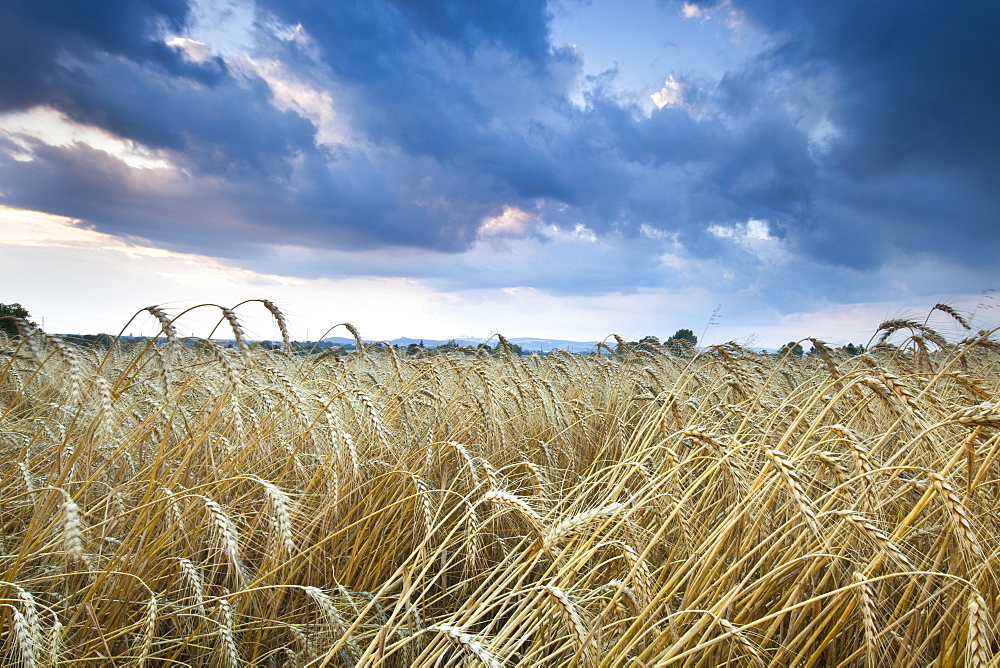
x: 791, y: 348
x: 682, y: 342
x: 7, y: 314
x: 649, y: 340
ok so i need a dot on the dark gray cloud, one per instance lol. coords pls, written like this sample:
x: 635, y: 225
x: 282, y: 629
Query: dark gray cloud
x: 367, y: 41
x: 231, y: 130
x: 37, y: 35
x: 866, y: 131
x: 106, y: 64
x: 911, y: 91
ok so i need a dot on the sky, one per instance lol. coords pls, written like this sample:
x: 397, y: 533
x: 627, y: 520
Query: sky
x: 753, y: 171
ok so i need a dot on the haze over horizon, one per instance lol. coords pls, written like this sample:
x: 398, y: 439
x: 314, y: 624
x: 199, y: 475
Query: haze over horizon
x: 754, y: 171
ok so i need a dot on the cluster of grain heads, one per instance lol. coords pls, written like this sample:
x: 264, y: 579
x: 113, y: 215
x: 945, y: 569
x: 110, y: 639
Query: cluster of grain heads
x: 174, y: 502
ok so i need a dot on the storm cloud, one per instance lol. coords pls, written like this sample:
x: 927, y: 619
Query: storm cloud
x: 860, y: 135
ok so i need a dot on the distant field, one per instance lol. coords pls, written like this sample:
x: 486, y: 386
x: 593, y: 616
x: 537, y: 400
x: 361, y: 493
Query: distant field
x: 175, y: 505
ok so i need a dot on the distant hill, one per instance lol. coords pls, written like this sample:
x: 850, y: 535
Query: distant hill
x: 545, y: 345
x: 528, y: 344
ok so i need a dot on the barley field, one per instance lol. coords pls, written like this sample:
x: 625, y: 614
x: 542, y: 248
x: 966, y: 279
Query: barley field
x: 168, y: 504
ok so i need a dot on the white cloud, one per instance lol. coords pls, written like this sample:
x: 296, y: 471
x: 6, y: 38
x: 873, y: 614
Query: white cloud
x: 513, y: 222
x: 48, y: 126
x: 691, y: 11
x: 671, y: 95
x: 754, y: 237
x: 583, y: 233
x: 722, y: 231
x: 745, y: 233
x: 758, y: 230
x: 651, y: 232
x: 735, y: 18
x: 193, y: 50
x: 225, y: 26
x: 672, y: 261
x: 822, y: 136
x: 736, y: 21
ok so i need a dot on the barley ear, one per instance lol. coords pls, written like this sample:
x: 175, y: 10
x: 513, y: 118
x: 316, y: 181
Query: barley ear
x: 468, y: 643
x: 979, y: 650
x: 150, y: 631
x: 23, y: 639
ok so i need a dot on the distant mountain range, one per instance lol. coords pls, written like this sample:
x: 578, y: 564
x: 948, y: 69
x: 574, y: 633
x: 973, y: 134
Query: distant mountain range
x: 527, y: 344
